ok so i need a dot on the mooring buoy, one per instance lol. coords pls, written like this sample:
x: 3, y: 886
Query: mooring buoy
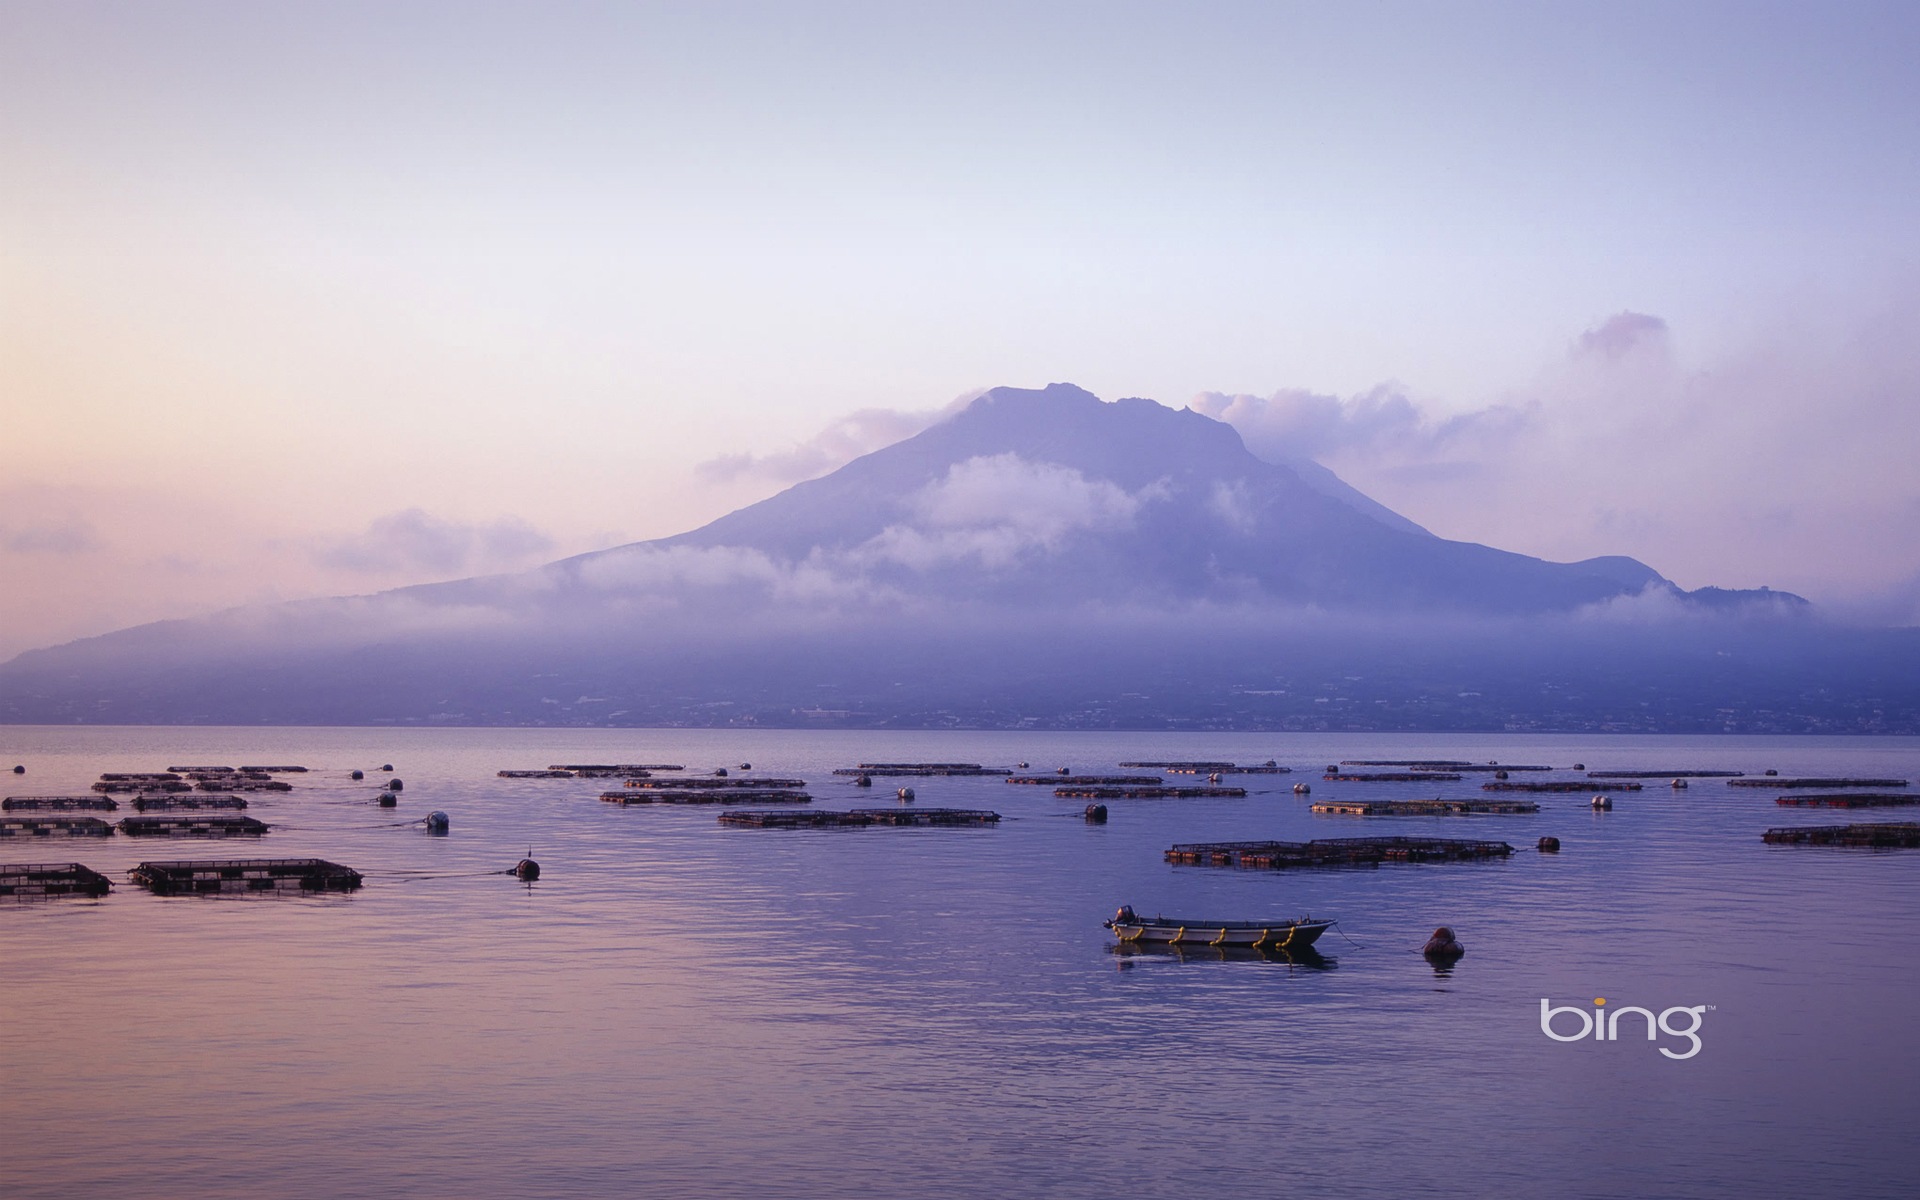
x: 358, y: 775
x: 1096, y: 814
x: 526, y: 870
x: 396, y: 784
x: 386, y: 766
x: 905, y: 794
x: 1602, y: 802
x: 435, y: 821
x: 19, y: 770
x: 1549, y: 845
x: 388, y: 800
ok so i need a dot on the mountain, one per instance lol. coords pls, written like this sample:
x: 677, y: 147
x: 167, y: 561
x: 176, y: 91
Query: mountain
x: 1035, y: 546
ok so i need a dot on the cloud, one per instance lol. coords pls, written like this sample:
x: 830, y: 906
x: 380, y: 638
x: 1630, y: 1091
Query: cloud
x: 998, y: 509
x: 1625, y: 333
x: 64, y: 536
x: 413, y: 541
x: 840, y: 443
x: 1294, y: 424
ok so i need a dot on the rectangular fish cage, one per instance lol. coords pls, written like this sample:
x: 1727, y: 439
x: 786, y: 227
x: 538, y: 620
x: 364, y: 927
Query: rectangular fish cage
x: 718, y: 783
x: 138, y: 776
x: 54, y: 827
x: 638, y: 770
x: 59, y: 804
x: 1851, y: 800
x: 187, y: 803
x: 201, y: 770
x: 1187, y: 765
x: 25, y: 881
x: 1147, y: 793
x: 1264, y: 769
x: 536, y: 774
x: 1424, y: 808
x: 919, y: 770
x: 1665, y: 774
x: 767, y: 818
x: 277, y: 770
x: 1391, y: 777
x: 206, y: 876
x: 1588, y: 785
x: 230, y: 784
x: 1903, y: 835
x: 1086, y: 780
x: 182, y: 825
x: 142, y: 785
x: 706, y: 796
x: 1767, y: 781
x: 1333, y: 852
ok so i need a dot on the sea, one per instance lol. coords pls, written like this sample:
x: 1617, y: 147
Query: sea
x: 680, y: 1008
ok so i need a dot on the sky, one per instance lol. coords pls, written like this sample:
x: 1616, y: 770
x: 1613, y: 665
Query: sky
x: 322, y: 299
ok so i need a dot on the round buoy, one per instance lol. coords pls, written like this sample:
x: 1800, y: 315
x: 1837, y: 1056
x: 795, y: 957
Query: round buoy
x: 1549, y: 845
x: 1096, y: 814
x: 526, y: 870
x: 720, y: 772
x: 1499, y: 774
x: 1063, y: 771
x: 1332, y: 769
x: 19, y: 770
x: 1021, y: 766
x: 1301, y: 789
x: 864, y: 781
x: 1679, y: 783
x: 1602, y: 802
x: 358, y: 775
x: 436, y: 822
x: 1771, y: 771
x: 1214, y: 778
x: 1579, y: 766
x: 1272, y: 763
x: 905, y: 794
x: 1443, y: 945
x: 396, y: 784
x: 388, y: 800
x: 746, y: 766
x: 386, y: 766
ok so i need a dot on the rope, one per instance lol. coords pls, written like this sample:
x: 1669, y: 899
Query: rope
x: 410, y: 876
x: 1343, y: 933
x: 339, y: 828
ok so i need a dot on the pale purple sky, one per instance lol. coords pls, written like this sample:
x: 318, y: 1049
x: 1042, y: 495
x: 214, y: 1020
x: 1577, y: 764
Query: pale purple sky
x: 299, y: 300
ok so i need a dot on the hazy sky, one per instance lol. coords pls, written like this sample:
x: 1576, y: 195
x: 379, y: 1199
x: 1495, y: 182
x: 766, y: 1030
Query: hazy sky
x: 304, y: 299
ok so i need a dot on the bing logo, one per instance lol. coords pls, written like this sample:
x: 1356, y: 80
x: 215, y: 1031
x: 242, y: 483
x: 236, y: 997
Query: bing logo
x: 1603, y: 1023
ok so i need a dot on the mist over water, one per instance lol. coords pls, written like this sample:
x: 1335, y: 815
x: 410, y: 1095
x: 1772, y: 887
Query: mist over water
x: 679, y: 1008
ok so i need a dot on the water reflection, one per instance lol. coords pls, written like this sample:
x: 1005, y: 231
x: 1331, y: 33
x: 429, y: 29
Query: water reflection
x: 1305, y: 957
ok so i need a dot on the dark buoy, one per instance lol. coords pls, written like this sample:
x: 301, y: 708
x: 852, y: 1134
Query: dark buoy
x: 388, y: 800
x: 386, y: 766
x: 396, y: 784
x: 1499, y: 774
x: 720, y: 772
x: 1771, y: 771
x: 358, y: 775
x: 1443, y: 945
x: 1272, y: 763
x: 436, y: 822
x: 746, y: 766
x: 1214, y: 778
x: 1549, y: 845
x: 526, y: 870
x: 1063, y: 771
x: 1096, y: 814
x: 1022, y: 766
x: 905, y: 794
x: 1678, y: 784
x: 19, y: 770
x: 1301, y: 789
x: 864, y: 781
x: 1602, y: 804
x: 1333, y: 769
x: 1579, y: 766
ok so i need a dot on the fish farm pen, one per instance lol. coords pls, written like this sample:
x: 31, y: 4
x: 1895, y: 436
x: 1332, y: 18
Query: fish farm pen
x: 538, y: 774
x: 1431, y: 764
x: 1333, y: 852
x: 1852, y: 800
x: 245, y: 875
x: 705, y: 783
x: 1265, y: 769
x: 707, y: 796
x: 277, y: 770
x: 859, y: 818
x: 192, y: 826
x: 1148, y: 793
x: 1665, y: 774
x: 602, y: 770
x: 1878, y: 836
x: 59, y: 804
x: 187, y: 803
x: 230, y: 784
x: 1392, y: 777
x: 29, y: 880
x: 1772, y: 782
x: 1086, y: 780
x: 1424, y: 808
x: 913, y: 770
x: 107, y: 786
x: 1180, y: 766
x: 1428, y: 766
x: 54, y: 827
x: 1605, y: 785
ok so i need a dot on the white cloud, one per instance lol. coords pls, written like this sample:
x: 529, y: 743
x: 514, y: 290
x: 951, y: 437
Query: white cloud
x: 414, y: 542
x: 840, y: 443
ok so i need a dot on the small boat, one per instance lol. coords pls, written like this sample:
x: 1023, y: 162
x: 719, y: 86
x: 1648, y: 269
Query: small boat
x: 1179, y: 931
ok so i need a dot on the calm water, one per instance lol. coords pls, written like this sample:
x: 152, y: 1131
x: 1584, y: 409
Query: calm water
x: 678, y: 1009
